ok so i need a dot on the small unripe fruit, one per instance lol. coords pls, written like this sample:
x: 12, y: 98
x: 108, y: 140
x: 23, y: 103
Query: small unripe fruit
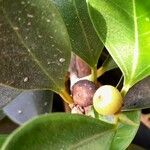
x: 82, y: 93
x: 107, y: 100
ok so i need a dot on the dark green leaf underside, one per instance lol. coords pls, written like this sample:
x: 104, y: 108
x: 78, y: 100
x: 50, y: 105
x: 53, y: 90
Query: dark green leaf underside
x: 35, y: 48
x: 84, y: 40
x: 7, y: 94
x: 138, y: 96
x: 28, y: 105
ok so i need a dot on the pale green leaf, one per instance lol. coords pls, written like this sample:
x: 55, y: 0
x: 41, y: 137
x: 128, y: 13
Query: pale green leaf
x: 124, y: 28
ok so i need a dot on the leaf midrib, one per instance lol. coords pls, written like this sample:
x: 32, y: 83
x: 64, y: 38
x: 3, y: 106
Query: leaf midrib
x: 33, y: 56
x: 136, y: 50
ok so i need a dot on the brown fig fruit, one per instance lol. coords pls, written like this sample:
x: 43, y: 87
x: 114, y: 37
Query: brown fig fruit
x: 82, y: 92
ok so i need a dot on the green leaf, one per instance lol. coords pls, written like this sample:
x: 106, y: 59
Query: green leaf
x: 2, y: 139
x: 109, y: 64
x: 35, y: 47
x: 66, y: 131
x: 126, y: 132
x: 124, y: 28
x: 138, y: 96
x: 7, y: 94
x: 28, y: 105
x: 61, y: 131
x: 84, y: 40
x: 127, y: 126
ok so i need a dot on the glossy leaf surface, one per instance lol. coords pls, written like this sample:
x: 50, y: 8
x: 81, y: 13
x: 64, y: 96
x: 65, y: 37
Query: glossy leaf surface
x: 66, y: 131
x: 61, y: 131
x: 124, y: 28
x: 35, y: 47
x: 125, y: 132
x: 138, y: 96
x: 84, y: 40
x: 28, y: 105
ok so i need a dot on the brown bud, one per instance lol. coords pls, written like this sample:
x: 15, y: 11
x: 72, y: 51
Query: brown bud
x: 82, y: 68
x: 82, y: 92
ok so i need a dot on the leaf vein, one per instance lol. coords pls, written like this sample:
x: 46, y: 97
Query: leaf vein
x: 33, y: 56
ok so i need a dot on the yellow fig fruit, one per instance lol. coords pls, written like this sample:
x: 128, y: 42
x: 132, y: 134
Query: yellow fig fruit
x: 107, y: 100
